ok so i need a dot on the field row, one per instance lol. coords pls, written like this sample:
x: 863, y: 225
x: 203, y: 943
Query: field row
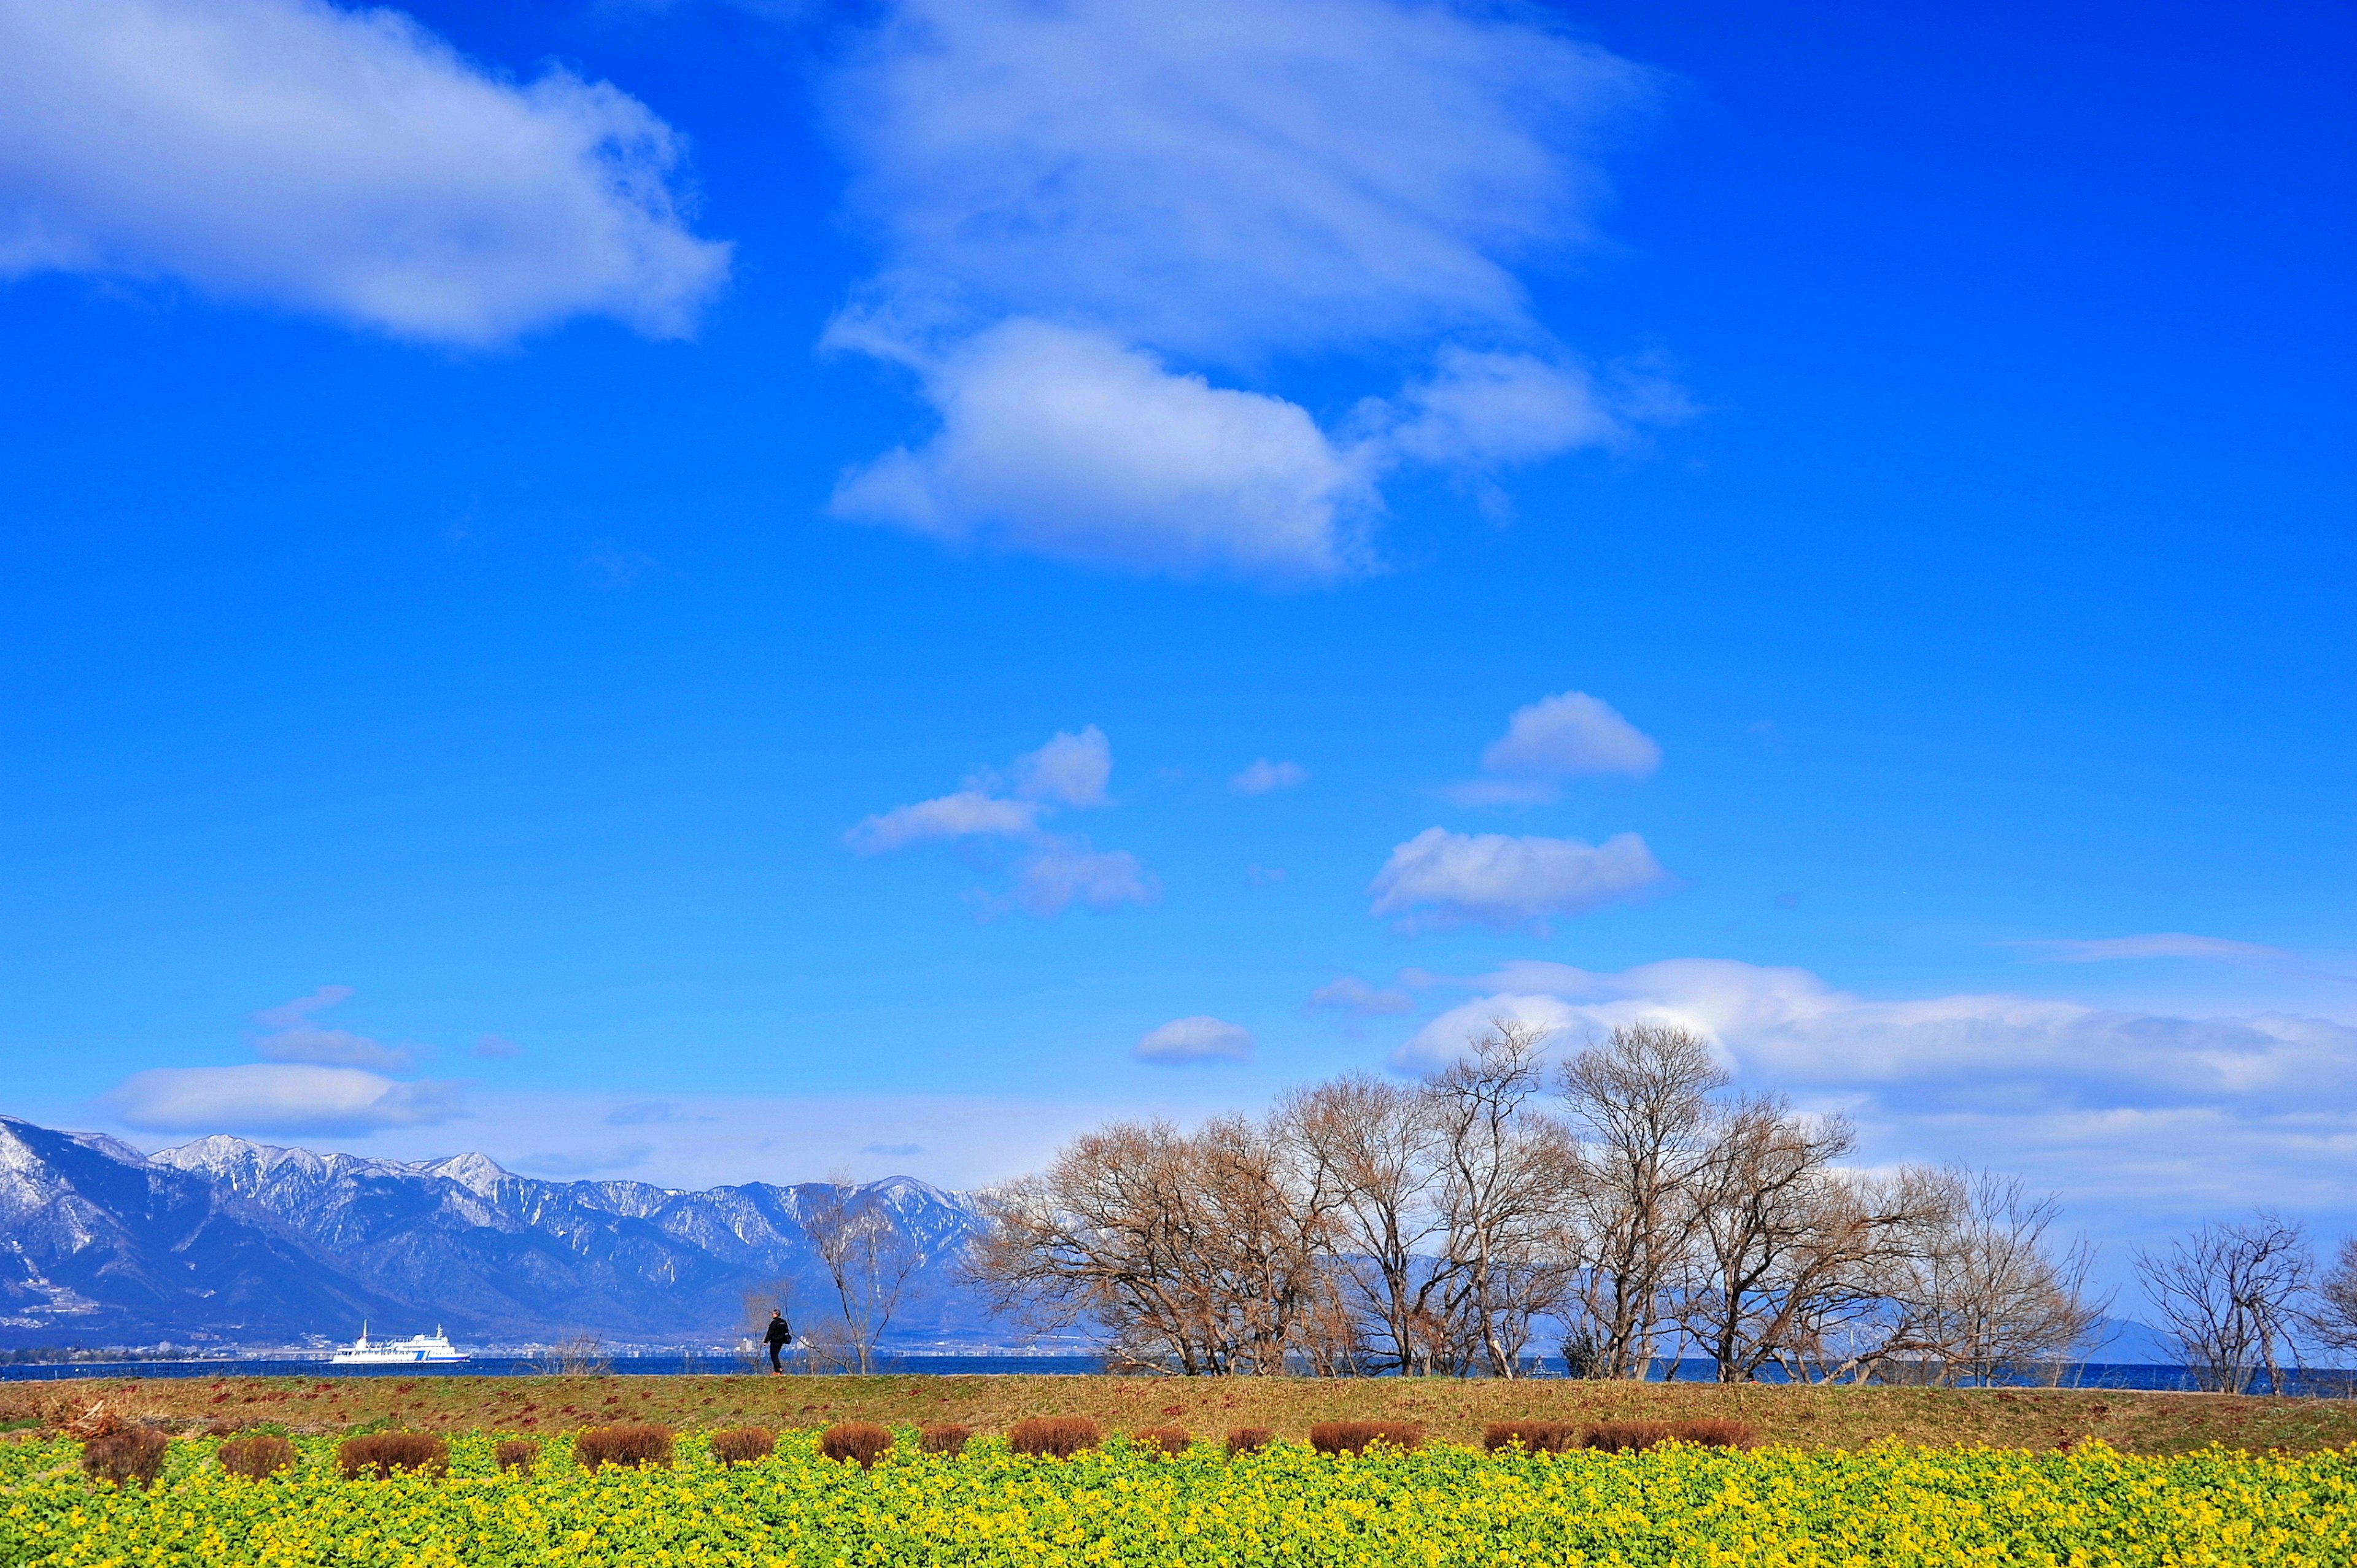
x: 1129, y: 1504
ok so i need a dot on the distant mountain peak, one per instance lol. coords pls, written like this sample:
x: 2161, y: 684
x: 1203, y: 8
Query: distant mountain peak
x: 226, y: 1238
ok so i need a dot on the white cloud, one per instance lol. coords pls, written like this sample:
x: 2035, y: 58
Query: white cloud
x: 1264, y: 776
x: 1070, y: 444
x: 1568, y: 735
x: 277, y: 1098
x: 2131, y: 1108
x: 342, y: 163
x: 1349, y: 994
x: 1066, y: 871
x: 1067, y: 196
x: 1440, y: 878
x: 2156, y: 944
x: 1201, y: 1039
x: 967, y: 813
x: 1069, y: 771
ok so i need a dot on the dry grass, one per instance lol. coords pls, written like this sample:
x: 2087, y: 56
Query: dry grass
x: 1356, y: 1436
x: 743, y: 1445
x: 1248, y: 1440
x: 1054, y: 1436
x: 124, y: 1454
x: 944, y: 1437
x: 629, y: 1443
x: 1533, y: 1436
x: 257, y: 1457
x: 1162, y: 1442
x: 1451, y: 1411
x: 384, y: 1453
x: 862, y: 1442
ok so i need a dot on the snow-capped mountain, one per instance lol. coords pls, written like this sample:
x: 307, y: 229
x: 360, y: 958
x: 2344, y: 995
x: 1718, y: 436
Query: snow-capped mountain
x: 228, y: 1240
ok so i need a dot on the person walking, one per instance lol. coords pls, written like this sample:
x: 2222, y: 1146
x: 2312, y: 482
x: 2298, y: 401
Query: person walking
x: 778, y: 1335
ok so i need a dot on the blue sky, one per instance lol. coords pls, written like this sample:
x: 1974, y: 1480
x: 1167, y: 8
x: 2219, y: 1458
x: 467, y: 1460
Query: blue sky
x: 495, y: 502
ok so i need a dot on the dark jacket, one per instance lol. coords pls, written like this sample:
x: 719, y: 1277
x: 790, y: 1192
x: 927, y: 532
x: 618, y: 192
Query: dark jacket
x: 778, y: 1334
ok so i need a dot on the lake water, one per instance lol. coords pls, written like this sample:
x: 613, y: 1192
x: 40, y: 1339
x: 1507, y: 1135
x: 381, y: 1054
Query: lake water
x: 2319, y: 1383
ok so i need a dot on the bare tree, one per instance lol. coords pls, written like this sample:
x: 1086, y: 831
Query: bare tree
x: 2334, y: 1319
x: 868, y: 1255
x: 1206, y: 1253
x: 1641, y: 1102
x: 1373, y: 1143
x: 1978, y: 1289
x: 1789, y: 1248
x: 1505, y: 1172
x: 2230, y: 1296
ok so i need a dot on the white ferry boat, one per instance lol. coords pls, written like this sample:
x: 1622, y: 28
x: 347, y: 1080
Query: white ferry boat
x: 418, y: 1350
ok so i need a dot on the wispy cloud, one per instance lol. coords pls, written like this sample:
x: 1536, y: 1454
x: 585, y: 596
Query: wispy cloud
x: 293, y: 1038
x: 1349, y: 994
x: 1093, y: 211
x: 1053, y: 871
x: 343, y: 163
x: 2155, y: 944
x: 1264, y: 776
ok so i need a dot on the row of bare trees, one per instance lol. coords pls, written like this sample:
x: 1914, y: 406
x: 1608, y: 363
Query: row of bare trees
x: 1624, y: 1197
x: 2239, y: 1299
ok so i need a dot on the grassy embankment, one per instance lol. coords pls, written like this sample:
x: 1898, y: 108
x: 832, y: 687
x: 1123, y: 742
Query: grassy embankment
x: 1843, y: 1417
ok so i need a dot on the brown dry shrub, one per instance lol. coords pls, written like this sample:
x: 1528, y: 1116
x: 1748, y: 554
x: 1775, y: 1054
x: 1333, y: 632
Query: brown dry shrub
x: 628, y: 1444
x: 126, y: 1454
x: 74, y: 1419
x: 1628, y: 1436
x: 517, y: 1454
x: 1248, y: 1440
x: 1355, y: 1437
x: 743, y: 1445
x: 1715, y: 1431
x: 1054, y: 1436
x: 386, y: 1453
x: 257, y: 1457
x: 858, y: 1439
x: 944, y: 1437
x: 1532, y: 1436
x: 1162, y: 1442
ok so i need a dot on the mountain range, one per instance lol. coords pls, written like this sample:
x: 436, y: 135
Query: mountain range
x: 226, y: 1241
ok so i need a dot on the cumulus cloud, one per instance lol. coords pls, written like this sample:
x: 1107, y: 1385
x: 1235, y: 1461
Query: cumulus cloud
x: 1071, y: 445
x: 1071, y: 197
x: 1439, y: 878
x: 277, y: 1098
x: 1201, y: 1039
x: 2101, y: 1100
x: 2156, y: 944
x: 1069, y: 771
x: 1568, y: 735
x: 343, y: 163
x: 1051, y: 871
x: 1264, y: 776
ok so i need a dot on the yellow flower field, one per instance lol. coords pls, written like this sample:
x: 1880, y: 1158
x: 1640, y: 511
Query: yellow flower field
x: 1892, y: 1504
